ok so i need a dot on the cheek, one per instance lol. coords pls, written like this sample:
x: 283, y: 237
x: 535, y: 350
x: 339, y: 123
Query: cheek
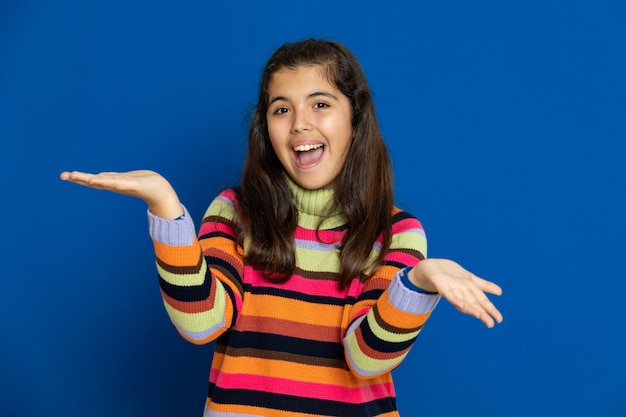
x: 277, y: 128
x: 278, y: 142
x: 339, y: 126
x: 273, y: 134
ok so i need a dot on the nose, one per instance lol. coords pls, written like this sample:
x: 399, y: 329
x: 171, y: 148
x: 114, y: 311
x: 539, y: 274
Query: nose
x: 301, y: 122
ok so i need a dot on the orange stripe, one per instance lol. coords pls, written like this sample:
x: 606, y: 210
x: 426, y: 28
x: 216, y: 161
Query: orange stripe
x: 387, y: 272
x: 255, y: 411
x: 390, y: 314
x: 177, y: 255
x: 223, y: 244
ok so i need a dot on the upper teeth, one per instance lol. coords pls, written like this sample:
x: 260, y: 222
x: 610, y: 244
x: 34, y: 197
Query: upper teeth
x: 304, y: 148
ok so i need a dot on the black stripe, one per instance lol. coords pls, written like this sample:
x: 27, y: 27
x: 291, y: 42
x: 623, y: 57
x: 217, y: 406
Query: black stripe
x: 223, y: 265
x: 197, y: 292
x: 187, y: 294
x: 216, y: 234
x: 340, y: 228
x: 283, y: 402
x: 398, y: 265
x: 287, y: 344
x: 401, y: 215
x: 380, y: 345
x: 371, y: 295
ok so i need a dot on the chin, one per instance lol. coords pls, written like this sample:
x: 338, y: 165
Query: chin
x: 313, y: 185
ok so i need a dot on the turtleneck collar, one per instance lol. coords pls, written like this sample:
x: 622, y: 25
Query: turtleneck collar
x: 313, y: 202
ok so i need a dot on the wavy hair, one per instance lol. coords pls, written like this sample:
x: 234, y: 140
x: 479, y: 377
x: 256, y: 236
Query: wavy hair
x: 363, y: 187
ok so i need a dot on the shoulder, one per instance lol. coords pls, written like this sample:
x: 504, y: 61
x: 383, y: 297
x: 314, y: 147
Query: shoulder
x: 402, y: 221
x: 224, y: 205
x: 407, y: 233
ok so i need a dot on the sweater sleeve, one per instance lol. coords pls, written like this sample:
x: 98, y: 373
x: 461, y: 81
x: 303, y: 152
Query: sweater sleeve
x: 387, y: 317
x: 198, y: 275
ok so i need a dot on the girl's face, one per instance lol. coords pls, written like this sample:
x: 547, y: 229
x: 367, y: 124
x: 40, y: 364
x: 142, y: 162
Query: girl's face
x: 310, y: 125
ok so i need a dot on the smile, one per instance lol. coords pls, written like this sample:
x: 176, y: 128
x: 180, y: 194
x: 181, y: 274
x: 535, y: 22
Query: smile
x: 308, y: 154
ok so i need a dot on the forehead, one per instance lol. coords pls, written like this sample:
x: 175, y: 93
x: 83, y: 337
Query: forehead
x: 303, y: 78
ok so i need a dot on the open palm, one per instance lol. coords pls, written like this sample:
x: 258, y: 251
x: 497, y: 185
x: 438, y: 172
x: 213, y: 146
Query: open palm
x: 147, y: 185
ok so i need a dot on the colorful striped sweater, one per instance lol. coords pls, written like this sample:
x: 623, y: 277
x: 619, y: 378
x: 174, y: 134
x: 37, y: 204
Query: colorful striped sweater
x: 302, y: 348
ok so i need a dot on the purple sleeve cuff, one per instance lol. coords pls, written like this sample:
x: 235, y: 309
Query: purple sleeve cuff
x: 177, y: 232
x: 408, y: 300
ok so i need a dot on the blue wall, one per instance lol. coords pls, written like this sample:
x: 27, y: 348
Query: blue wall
x: 507, y: 125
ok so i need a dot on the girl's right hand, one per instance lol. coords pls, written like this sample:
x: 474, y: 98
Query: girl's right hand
x: 464, y: 290
x: 149, y: 186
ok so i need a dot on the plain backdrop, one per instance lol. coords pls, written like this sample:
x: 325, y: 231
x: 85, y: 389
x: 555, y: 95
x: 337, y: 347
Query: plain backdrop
x: 506, y: 121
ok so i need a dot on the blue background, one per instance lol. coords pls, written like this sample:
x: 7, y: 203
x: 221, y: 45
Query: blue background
x: 507, y: 125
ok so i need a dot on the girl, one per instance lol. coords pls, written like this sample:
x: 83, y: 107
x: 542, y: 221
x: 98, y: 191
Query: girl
x: 313, y: 285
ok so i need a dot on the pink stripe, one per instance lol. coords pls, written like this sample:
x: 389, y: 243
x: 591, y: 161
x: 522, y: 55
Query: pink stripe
x: 212, y: 227
x: 229, y: 194
x: 303, y: 389
x: 304, y: 286
x: 402, y: 257
x: 326, y: 236
x: 406, y: 224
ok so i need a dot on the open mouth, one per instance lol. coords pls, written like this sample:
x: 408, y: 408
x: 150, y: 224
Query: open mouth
x: 308, y: 154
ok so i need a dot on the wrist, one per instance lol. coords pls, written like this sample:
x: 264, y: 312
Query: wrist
x: 167, y: 207
x: 418, y: 277
x: 404, y: 278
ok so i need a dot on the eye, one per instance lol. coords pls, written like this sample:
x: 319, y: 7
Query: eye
x: 321, y: 105
x: 281, y: 110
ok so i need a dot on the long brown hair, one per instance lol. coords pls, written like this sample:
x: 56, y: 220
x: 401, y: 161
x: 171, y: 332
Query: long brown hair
x: 363, y: 187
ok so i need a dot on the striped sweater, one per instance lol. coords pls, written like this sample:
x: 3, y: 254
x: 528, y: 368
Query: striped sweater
x: 302, y: 348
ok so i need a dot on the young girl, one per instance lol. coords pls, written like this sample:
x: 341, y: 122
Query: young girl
x: 313, y: 285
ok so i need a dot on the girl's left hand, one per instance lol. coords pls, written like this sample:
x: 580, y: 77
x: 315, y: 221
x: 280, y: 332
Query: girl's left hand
x: 464, y: 290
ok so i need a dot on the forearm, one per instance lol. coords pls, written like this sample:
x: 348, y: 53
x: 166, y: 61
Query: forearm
x: 195, y: 301
x: 378, y: 342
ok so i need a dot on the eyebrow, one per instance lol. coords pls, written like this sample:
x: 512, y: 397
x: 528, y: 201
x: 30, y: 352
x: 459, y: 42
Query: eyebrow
x: 314, y: 94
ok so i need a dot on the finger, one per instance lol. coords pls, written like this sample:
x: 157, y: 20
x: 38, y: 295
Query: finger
x: 482, y: 298
x: 487, y: 320
x: 476, y: 305
x: 480, y: 314
x: 108, y: 181
x: 475, y: 310
x: 493, y: 312
x: 77, y: 177
x: 73, y: 175
x: 486, y: 305
x: 458, y: 299
x: 487, y: 286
